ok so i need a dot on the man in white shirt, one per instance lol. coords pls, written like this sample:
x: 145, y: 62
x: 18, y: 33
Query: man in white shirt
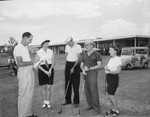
x: 25, y: 76
x: 72, y: 71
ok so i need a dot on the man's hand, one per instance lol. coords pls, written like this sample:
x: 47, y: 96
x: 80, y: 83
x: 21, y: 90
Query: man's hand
x: 36, y: 59
x: 72, y: 71
x: 84, y: 73
x: 86, y: 68
x: 107, y: 71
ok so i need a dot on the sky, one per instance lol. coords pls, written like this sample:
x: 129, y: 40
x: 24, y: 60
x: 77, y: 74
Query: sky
x: 55, y: 20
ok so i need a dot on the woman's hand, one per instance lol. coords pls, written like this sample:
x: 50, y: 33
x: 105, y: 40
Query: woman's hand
x: 107, y: 72
x: 48, y: 73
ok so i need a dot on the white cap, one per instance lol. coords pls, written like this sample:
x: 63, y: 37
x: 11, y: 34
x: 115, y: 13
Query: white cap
x: 68, y: 39
x: 89, y: 41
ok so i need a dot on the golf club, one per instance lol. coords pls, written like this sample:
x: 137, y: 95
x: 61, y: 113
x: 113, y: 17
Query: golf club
x: 78, y: 114
x: 65, y: 94
x: 106, y: 113
x: 51, y: 101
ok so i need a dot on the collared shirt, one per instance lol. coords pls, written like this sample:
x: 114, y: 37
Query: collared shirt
x: 48, y: 55
x: 91, y: 60
x: 73, y: 52
x: 22, y: 51
x: 114, y: 63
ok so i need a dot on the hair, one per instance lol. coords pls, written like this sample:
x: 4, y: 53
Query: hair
x: 42, y: 45
x: 71, y: 38
x: 26, y: 34
x: 116, y: 49
x: 44, y: 42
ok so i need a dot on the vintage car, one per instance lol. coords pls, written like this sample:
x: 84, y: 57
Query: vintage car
x: 135, y: 57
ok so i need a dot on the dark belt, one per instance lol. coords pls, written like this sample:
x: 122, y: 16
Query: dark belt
x: 70, y: 61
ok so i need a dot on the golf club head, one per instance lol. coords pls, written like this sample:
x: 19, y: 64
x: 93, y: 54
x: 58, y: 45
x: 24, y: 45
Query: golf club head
x: 78, y: 114
x: 60, y: 111
x: 106, y: 114
x: 52, y: 109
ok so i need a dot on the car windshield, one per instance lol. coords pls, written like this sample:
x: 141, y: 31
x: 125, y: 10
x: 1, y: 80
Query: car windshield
x: 129, y: 51
x: 126, y: 52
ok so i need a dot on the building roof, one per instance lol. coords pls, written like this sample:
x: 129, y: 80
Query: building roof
x: 100, y: 39
x: 121, y: 37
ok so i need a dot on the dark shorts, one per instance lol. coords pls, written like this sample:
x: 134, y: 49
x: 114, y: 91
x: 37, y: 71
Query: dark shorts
x: 112, y: 83
x: 43, y: 78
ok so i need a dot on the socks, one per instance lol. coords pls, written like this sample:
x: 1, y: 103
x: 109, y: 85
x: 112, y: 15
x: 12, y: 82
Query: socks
x: 46, y: 102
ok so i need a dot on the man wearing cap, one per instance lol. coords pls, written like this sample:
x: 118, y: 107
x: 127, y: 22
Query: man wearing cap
x: 46, y: 72
x: 90, y: 63
x: 25, y: 76
x: 72, y: 71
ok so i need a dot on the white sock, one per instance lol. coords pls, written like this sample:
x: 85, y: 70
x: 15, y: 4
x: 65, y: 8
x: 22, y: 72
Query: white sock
x: 45, y: 102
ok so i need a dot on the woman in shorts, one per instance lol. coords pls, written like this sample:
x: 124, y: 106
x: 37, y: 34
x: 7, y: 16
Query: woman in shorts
x: 112, y: 70
x: 46, y: 72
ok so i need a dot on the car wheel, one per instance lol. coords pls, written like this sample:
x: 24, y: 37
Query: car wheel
x: 128, y: 66
x: 145, y: 65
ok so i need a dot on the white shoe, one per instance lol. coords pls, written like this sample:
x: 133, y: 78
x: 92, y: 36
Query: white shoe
x: 44, y: 105
x: 49, y: 106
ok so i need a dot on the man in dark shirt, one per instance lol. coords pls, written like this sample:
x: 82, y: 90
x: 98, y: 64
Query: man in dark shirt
x: 91, y: 62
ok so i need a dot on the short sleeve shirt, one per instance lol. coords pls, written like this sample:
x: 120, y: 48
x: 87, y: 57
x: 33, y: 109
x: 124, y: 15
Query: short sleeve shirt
x: 114, y: 63
x: 72, y: 52
x: 48, y: 55
x: 91, y: 60
x: 21, y: 51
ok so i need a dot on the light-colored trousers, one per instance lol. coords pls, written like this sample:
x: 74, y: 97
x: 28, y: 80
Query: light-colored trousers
x: 26, y: 88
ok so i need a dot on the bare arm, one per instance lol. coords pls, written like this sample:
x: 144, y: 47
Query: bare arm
x: 53, y: 63
x: 76, y: 63
x: 98, y: 66
x: 42, y: 69
x: 82, y: 68
x: 39, y: 66
x: 113, y: 72
x: 22, y: 63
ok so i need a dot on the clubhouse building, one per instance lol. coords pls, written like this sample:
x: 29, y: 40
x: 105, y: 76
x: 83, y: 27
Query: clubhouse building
x: 102, y: 44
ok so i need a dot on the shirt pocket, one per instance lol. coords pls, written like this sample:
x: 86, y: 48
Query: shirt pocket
x: 94, y: 59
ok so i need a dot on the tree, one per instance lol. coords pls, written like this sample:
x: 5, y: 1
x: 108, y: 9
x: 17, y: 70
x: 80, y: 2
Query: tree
x: 10, y: 48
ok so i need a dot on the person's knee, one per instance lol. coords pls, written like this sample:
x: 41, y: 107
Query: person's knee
x: 111, y: 97
x: 43, y: 87
x: 48, y: 87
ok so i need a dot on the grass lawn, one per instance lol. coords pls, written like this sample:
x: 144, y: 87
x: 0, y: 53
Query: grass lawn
x: 133, y: 94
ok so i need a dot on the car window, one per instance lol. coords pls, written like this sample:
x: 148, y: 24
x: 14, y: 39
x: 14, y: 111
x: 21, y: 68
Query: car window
x: 126, y: 52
